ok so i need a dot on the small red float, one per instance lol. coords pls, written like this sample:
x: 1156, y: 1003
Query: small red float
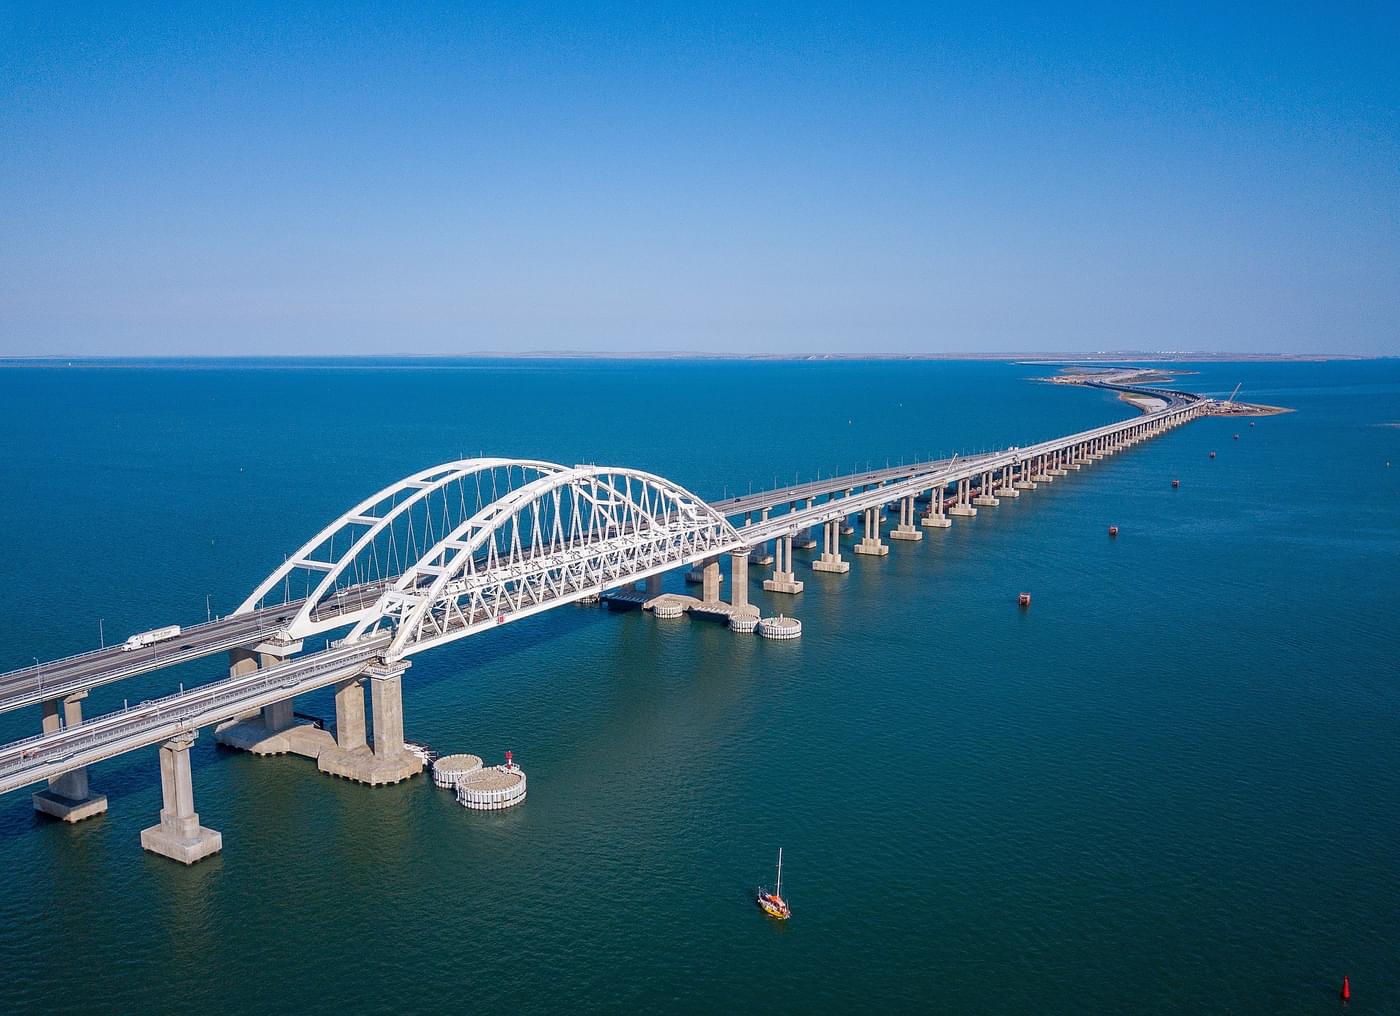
x: 1112, y: 530
x: 1346, y: 988
x: 1024, y: 599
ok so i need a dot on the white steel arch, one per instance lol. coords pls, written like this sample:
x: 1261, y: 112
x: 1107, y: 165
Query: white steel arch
x: 563, y: 536
x: 358, y: 529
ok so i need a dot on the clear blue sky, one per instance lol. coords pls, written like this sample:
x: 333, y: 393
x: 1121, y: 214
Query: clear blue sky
x: 774, y: 177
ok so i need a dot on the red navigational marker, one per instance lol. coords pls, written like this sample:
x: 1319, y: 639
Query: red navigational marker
x: 1346, y: 988
x: 1112, y: 530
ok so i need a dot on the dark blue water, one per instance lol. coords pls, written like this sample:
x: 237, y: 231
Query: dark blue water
x: 1172, y: 785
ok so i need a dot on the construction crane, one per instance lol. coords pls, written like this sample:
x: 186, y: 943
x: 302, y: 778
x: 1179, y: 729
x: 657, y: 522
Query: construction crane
x: 1231, y: 400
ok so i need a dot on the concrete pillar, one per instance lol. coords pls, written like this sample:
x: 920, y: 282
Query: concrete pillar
x: 985, y: 498
x: 906, y: 529
x: 68, y: 796
x: 830, y: 561
x: 784, y: 578
x: 936, y: 519
x: 1007, y: 487
x: 386, y: 701
x: 350, y: 714
x: 962, y: 504
x: 654, y: 585
x: 271, y: 730
x: 179, y: 836
x: 388, y: 761
x: 739, y: 579
x: 872, y: 545
x: 710, y: 580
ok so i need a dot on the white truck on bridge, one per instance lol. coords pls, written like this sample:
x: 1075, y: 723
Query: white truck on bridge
x: 150, y: 638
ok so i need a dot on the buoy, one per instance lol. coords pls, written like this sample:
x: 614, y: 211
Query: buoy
x: 1346, y: 988
x: 1112, y: 530
x: 1212, y: 454
x: 1237, y: 437
x: 1175, y: 484
x: 1024, y: 600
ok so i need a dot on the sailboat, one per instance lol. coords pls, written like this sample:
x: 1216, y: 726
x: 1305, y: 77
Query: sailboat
x: 773, y: 903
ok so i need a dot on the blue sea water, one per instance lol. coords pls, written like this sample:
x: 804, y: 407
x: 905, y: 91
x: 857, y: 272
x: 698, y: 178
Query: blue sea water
x: 1171, y: 785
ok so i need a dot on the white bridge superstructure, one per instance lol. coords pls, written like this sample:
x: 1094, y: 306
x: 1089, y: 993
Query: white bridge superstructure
x: 463, y: 547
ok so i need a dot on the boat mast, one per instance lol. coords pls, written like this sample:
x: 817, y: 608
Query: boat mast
x: 778, y: 892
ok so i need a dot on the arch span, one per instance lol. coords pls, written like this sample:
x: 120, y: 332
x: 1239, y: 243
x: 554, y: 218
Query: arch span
x: 563, y: 536
x: 337, y: 576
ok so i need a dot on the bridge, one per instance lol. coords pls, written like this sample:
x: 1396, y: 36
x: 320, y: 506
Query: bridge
x: 455, y: 550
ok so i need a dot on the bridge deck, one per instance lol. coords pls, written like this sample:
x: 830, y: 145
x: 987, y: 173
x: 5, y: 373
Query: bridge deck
x: 31, y: 685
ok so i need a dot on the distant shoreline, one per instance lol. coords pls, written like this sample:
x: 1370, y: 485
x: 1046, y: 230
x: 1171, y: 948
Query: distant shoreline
x: 1037, y: 359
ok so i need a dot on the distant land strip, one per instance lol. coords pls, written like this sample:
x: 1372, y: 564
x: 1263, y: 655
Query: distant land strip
x: 1052, y: 359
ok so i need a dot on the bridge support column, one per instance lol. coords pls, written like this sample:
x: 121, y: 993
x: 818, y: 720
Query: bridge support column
x: 387, y: 761
x: 68, y: 797
x: 872, y: 545
x: 984, y: 498
x: 654, y: 585
x: 272, y: 730
x: 710, y: 579
x: 784, y: 579
x: 936, y: 519
x: 1026, y: 482
x: 179, y: 836
x: 830, y: 561
x: 1057, y: 464
x: 1007, y: 488
x: 706, y: 574
x: 962, y: 503
x: 906, y: 530
x: 1042, y: 473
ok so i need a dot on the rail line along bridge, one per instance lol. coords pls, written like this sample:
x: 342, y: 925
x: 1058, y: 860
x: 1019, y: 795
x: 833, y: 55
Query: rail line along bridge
x: 460, y: 548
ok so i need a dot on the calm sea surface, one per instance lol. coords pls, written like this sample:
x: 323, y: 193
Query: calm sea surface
x: 1172, y: 785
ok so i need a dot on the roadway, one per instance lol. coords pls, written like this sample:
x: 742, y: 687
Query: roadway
x: 56, y: 679
x: 76, y: 674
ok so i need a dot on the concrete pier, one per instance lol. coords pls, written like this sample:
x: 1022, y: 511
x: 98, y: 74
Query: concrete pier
x: 386, y: 760
x: 68, y: 797
x: 784, y: 578
x: 739, y: 579
x: 872, y: 545
x: 178, y: 835
x: 831, y: 561
x: 710, y: 580
x: 1007, y: 488
x: 906, y: 530
x: 272, y: 730
x: 935, y: 518
x: 962, y: 506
